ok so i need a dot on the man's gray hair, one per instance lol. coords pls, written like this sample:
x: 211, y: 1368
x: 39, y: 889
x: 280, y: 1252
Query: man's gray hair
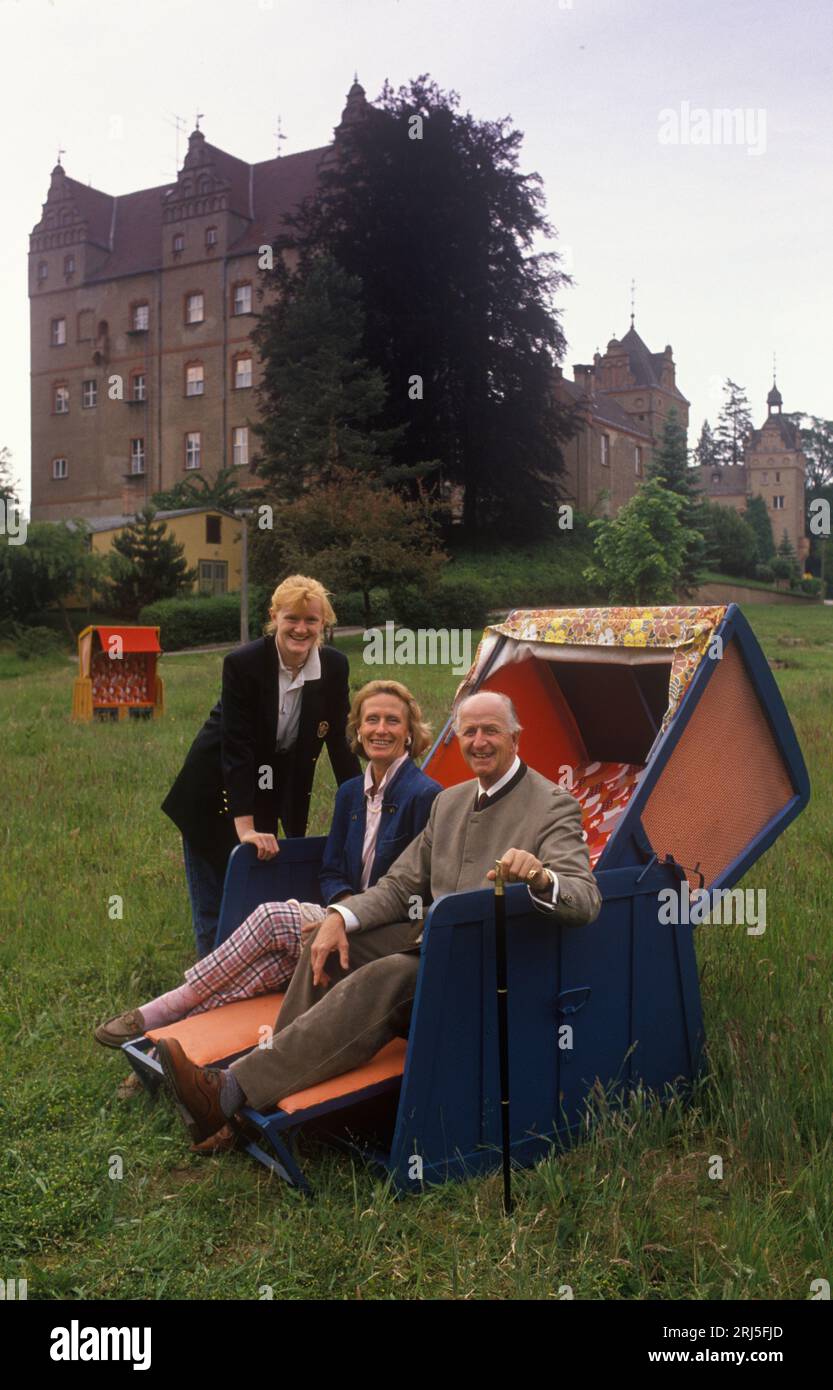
x: 509, y: 710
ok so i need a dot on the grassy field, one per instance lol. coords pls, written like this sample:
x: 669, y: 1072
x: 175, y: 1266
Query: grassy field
x: 631, y: 1213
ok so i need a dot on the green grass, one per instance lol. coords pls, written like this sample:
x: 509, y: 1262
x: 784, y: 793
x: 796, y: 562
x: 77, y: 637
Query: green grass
x: 630, y: 1213
x: 711, y: 577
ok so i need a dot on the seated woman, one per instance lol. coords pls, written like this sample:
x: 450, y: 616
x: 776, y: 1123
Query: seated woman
x: 385, y: 724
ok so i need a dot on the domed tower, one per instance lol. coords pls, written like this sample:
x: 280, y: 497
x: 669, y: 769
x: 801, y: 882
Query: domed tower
x: 775, y: 470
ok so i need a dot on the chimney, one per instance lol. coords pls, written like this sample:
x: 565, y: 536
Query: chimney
x: 583, y: 376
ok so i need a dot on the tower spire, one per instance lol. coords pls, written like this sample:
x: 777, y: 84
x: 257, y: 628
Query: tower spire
x: 633, y: 301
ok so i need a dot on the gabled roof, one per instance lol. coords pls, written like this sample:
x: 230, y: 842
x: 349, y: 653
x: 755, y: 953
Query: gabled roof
x: 606, y: 410
x: 643, y: 364
x: 128, y: 228
x: 787, y: 432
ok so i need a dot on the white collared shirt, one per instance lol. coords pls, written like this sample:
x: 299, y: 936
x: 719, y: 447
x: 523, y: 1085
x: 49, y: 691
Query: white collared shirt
x: 290, y: 690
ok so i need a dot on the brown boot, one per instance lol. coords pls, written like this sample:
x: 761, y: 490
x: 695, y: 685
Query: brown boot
x: 196, y: 1090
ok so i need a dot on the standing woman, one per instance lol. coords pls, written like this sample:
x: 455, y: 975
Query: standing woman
x: 253, y: 761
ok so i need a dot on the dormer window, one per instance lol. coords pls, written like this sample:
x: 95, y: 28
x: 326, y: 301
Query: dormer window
x: 178, y: 243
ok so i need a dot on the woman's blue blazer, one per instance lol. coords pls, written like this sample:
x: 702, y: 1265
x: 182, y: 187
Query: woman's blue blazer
x: 406, y: 803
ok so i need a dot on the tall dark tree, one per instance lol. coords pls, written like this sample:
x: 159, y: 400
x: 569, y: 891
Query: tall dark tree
x: 146, y: 564
x: 670, y: 466
x: 428, y: 207
x: 817, y: 442
x: 705, y: 452
x: 757, y: 516
x: 733, y: 424
x: 320, y: 400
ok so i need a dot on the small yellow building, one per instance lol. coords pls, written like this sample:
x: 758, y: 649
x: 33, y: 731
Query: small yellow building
x: 211, y: 538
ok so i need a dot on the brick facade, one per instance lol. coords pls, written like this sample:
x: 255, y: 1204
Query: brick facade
x: 620, y: 404
x: 116, y: 323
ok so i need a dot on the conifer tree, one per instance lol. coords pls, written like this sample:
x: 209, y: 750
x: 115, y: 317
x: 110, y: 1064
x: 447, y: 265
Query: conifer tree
x: 669, y: 465
x: 146, y: 564
x: 733, y: 424
x: 757, y: 516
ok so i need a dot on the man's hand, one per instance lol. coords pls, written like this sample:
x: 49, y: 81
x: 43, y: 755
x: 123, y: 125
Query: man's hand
x: 519, y: 866
x: 331, y: 936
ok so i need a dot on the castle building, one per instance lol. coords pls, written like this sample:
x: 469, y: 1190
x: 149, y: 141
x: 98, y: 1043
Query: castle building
x: 142, y: 308
x: 773, y: 467
x: 620, y: 404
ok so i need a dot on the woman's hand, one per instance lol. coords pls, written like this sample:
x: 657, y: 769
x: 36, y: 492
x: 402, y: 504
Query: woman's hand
x: 266, y: 845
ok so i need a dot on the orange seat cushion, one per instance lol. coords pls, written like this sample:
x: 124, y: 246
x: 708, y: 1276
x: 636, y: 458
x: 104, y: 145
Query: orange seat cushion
x: 236, y: 1028
x: 222, y: 1032
x: 603, y: 790
x: 389, y: 1061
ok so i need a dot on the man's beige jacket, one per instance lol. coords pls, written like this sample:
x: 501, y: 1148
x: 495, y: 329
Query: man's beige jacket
x: 459, y: 845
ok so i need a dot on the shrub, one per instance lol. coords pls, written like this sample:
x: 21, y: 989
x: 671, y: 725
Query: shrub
x: 765, y: 573
x: 454, y: 602
x: 811, y: 586
x: 37, y: 641
x: 201, y: 621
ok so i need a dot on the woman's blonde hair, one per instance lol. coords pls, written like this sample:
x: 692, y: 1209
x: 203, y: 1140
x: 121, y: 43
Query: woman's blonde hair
x: 299, y: 589
x: 420, y: 732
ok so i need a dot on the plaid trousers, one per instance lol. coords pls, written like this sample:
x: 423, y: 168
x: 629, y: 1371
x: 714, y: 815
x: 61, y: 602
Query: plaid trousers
x: 258, y: 958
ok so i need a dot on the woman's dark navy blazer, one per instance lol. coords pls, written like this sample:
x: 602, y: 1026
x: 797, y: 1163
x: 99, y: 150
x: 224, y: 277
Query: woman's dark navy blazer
x: 406, y: 803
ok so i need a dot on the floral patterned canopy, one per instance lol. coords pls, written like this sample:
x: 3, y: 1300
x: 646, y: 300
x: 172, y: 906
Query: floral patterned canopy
x: 687, y: 632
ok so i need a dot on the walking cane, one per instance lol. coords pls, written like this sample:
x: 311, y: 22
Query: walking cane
x: 503, y: 1033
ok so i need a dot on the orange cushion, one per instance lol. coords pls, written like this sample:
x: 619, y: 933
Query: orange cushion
x: 222, y: 1032
x: 389, y: 1061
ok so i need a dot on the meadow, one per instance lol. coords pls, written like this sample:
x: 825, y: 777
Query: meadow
x: 630, y: 1213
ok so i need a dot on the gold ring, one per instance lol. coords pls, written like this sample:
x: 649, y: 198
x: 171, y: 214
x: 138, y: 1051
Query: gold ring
x: 531, y: 875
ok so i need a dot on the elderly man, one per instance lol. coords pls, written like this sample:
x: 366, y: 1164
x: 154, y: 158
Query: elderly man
x: 370, y: 942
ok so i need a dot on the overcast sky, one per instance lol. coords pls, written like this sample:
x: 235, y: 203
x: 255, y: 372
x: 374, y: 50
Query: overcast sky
x: 729, y: 241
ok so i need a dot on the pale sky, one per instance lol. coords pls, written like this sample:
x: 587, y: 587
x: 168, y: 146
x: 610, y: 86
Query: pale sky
x: 729, y: 241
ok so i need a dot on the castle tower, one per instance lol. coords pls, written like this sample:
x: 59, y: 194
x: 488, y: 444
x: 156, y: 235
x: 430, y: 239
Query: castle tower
x: 775, y: 470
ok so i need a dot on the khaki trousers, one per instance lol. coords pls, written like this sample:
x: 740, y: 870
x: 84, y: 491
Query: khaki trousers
x: 321, y: 1033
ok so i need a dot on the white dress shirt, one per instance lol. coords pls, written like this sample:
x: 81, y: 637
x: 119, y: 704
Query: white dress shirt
x: 542, y: 900
x: 373, y: 814
x: 290, y: 690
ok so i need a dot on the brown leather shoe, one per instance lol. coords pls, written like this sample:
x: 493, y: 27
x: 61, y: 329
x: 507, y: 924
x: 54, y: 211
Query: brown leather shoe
x: 196, y: 1090
x: 124, y: 1028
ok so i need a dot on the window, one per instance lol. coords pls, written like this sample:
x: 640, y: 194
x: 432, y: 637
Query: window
x: 59, y: 332
x: 764, y: 477
x: 194, y: 308
x: 59, y: 468
x: 213, y: 530
x: 89, y: 394
x: 60, y: 400
x: 137, y: 456
x: 637, y: 461
x: 192, y: 449
x: 778, y: 504
x: 240, y: 445
x: 178, y: 244
x: 210, y: 237
x: 194, y: 379
x: 43, y: 271
x: 140, y: 318
x: 242, y: 303
x: 605, y: 450
x: 85, y: 326
x: 242, y: 372
x: 138, y: 387
x: 777, y: 477
x: 213, y: 576
x: 716, y: 477
x: 69, y: 265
